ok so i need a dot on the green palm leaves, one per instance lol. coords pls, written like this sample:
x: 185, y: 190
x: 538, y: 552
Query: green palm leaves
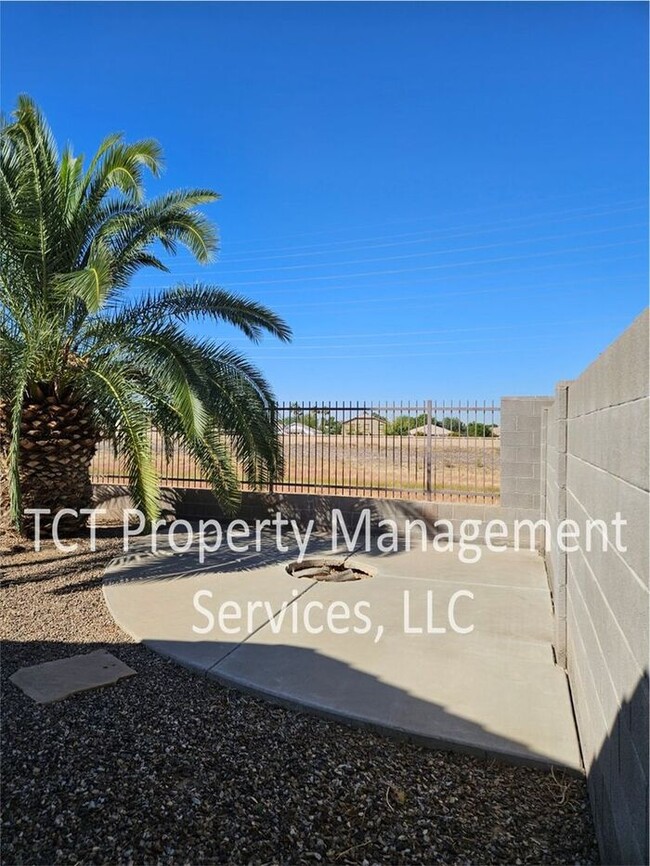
x: 72, y: 239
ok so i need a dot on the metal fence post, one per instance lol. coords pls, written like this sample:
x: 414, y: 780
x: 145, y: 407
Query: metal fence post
x: 427, y: 454
x: 274, y: 421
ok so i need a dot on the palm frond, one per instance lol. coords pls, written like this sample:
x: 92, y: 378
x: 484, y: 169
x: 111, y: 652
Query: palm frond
x: 113, y: 393
x: 185, y: 302
x: 91, y: 284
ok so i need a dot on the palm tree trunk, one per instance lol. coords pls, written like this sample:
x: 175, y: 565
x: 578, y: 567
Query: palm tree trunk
x: 57, y: 444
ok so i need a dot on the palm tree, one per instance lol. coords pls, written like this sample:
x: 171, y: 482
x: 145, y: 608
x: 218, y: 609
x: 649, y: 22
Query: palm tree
x: 83, y: 360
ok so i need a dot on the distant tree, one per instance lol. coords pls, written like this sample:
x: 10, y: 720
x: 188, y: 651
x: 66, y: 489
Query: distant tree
x: 400, y: 426
x: 307, y: 419
x: 294, y: 413
x: 329, y: 425
x: 403, y: 424
x: 315, y: 419
x: 455, y: 425
x: 475, y: 428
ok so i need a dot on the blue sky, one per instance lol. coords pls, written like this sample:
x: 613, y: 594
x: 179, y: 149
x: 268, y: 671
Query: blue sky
x: 443, y: 200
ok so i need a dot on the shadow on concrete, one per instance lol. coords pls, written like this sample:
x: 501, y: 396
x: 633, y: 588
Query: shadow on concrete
x: 279, y: 664
x: 280, y: 672
x: 166, y: 564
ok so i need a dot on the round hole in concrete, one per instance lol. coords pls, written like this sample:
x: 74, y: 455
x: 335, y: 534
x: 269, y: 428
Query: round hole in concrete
x: 328, y: 569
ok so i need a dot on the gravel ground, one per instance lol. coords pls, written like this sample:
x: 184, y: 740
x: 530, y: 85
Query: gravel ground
x: 166, y: 767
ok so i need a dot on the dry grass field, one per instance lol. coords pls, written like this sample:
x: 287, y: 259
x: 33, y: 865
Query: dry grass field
x: 461, y: 468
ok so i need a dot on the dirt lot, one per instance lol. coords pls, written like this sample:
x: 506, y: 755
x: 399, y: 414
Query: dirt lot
x: 463, y: 469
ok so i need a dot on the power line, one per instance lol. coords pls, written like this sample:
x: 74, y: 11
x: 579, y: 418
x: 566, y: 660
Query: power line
x: 428, y: 354
x: 453, y: 341
x: 376, y: 334
x: 427, y: 301
x: 431, y: 281
x: 425, y: 235
x: 508, y: 243
x: 487, y: 209
x: 434, y: 267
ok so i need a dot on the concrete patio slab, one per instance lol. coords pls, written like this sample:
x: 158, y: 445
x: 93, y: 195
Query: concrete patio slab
x: 152, y: 599
x: 494, y: 689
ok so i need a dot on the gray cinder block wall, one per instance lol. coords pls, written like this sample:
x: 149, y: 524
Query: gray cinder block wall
x: 596, y: 462
x: 521, y: 451
x: 554, y: 507
x: 195, y: 504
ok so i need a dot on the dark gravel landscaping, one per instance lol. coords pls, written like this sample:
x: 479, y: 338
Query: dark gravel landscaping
x: 166, y: 767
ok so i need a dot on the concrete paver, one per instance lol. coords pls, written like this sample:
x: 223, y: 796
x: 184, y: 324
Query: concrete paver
x: 58, y: 679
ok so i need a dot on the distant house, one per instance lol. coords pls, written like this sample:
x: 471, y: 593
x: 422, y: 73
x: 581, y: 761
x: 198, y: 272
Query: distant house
x: 364, y: 425
x: 299, y: 429
x: 496, y: 431
x: 435, y: 431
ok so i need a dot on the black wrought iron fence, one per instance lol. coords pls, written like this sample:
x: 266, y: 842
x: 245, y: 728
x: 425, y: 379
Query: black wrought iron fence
x: 429, y: 450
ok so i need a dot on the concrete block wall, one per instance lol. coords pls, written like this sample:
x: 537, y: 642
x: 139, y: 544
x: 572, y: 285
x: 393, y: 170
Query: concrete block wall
x: 195, y: 504
x: 521, y: 451
x: 554, y: 508
x: 596, y: 464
